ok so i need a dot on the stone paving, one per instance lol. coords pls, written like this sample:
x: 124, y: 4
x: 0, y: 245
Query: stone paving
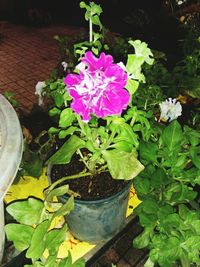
x: 28, y: 55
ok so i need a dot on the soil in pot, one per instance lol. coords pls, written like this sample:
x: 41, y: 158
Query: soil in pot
x: 88, y: 188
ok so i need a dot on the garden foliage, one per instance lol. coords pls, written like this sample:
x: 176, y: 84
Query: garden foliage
x: 123, y: 134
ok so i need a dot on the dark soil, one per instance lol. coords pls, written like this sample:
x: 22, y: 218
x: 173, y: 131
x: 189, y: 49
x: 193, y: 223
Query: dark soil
x: 90, y: 187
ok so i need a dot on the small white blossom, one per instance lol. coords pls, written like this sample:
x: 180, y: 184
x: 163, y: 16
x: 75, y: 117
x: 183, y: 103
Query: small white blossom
x: 180, y: 2
x: 38, y: 91
x: 65, y: 65
x: 171, y: 109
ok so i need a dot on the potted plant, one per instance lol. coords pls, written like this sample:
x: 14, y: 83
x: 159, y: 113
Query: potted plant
x: 100, y: 129
x: 95, y: 115
x: 102, y: 144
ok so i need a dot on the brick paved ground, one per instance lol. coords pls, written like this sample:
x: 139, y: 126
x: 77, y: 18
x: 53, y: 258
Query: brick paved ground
x: 28, y: 55
x: 122, y: 253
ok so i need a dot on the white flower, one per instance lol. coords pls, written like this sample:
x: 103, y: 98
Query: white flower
x: 180, y: 2
x: 38, y: 91
x: 65, y: 65
x: 171, y: 109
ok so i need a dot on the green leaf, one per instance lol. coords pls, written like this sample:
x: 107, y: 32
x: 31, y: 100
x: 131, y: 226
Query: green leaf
x: 196, y: 226
x: 192, y: 135
x: 66, y: 117
x: 38, y: 240
x: 53, y: 86
x: 96, y: 21
x: 59, y: 100
x: 193, y: 256
x: 79, y: 263
x: 66, y: 208
x: 172, y: 135
x: 67, y: 262
x: 26, y: 211
x: 51, y: 261
x: 123, y: 146
x: 159, y: 178
x: 148, y: 151
x: 126, y: 134
x: 95, y: 9
x: 141, y: 49
x: 54, y: 206
x: 181, y: 161
x: 102, y: 133
x: 193, y: 242
x: 133, y: 67
x: 62, y: 190
x: 54, y: 112
x: 148, y: 220
x: 20, y: 235
x: 149, y: 263
x: 53, y: 130
x: 66, y: 151
x: 36, y: 264
x: 82, y: 4
x: 149, y: 206
x: 63, y: 133
x: 122, y: 165
x: 143, y: 239
x: 164, y: 211
x: 171, y: 221
x: 166, y: 250
x: 132, y: 86
x: 178, y: 192
x: 195, y: 156
x: 33, y: 166
x: 142, y: 185
x: 183, y: 211
x: 55, y: 238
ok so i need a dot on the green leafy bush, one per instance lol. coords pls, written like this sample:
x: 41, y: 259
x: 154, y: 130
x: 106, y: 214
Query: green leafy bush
x: 169, y: 211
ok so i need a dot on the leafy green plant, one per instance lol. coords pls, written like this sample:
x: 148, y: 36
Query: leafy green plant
x: 106, y: 141
x: 92, y: 14
x: 163, y: 82
x: 10, y: 96
x: 35, y: 154
x: 169, y: 211
x: 32, y: 232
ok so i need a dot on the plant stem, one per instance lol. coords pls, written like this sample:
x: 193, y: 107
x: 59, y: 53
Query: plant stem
x: 81, y: 124
x: 109, y: 141
x: 81, y: 155
x: 90, y: 29
x: 184, y: 261
x: 63, y: 179
x: 133, y: 120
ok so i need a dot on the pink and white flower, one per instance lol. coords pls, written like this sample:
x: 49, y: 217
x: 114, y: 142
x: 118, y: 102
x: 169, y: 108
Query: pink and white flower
x: 98, y: 88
